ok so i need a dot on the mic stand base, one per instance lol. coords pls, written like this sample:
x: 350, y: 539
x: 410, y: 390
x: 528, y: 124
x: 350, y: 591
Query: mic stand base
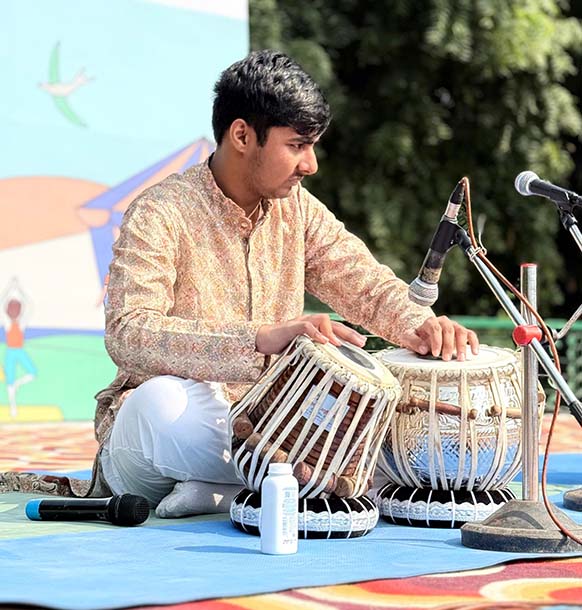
x: 521, y: 526
x: 573, y: 499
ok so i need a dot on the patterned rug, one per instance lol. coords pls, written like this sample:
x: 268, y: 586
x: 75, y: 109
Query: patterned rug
x: 69, y: 446
x: 61, y: 447
x: 522, y: 585
x: 540, y: 584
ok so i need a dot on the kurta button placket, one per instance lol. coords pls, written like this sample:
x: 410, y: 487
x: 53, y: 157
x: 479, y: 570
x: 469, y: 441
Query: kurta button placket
x: 246, y: 233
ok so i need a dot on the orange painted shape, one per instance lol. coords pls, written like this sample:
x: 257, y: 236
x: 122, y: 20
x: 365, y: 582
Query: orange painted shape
x: 39, y: 208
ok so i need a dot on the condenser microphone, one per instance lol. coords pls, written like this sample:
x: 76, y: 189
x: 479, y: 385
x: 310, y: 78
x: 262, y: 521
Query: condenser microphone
x: 528, y: 183
x: 127, y: 509
x: 424, y: 289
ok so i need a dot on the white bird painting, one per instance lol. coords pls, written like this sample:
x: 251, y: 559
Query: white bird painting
x: 61, y: 90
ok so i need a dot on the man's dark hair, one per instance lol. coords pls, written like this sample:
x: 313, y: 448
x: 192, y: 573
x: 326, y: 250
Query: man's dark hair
x: 269, y: 89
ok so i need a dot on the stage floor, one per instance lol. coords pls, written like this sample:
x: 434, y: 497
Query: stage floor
x: 69, y: 446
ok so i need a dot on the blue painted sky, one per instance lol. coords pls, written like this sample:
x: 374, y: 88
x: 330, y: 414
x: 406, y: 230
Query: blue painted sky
x: 153, y: 69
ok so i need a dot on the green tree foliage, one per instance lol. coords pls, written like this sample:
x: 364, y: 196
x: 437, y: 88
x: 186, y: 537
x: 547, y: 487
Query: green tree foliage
x: 572, y: 281
x: 427, y: 91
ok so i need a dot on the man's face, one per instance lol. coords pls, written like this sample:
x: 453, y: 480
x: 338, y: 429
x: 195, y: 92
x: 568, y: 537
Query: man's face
x: 282, y: 162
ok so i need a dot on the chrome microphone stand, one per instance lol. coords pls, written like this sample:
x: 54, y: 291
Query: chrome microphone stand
x: 523, y: 525
x: 530, y: 417
x: 462, y: 240
x: 570, y: 223
x: 572, y: 498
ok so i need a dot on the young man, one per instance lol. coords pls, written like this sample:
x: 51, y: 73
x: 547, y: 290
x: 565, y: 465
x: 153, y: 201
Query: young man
x: 208, y: 280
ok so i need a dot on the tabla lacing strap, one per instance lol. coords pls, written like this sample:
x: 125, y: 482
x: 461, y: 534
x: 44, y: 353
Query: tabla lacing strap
x: 427, y: 513
x: 466, y: 403
x: 475, y: 506
x: 277, y: 418
x: 474, y: 442
x: 394, y: 473
x: 499, y: 459
x: 381, y: 430
x: 432, y: 432
x: 371, y: 521
x: 324, y: 454
x: 328, y: 509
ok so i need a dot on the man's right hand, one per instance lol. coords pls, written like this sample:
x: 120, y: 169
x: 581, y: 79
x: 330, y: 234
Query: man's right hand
x: 274, y: 338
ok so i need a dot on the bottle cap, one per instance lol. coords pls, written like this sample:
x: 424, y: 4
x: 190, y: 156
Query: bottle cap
x: 278, y: 468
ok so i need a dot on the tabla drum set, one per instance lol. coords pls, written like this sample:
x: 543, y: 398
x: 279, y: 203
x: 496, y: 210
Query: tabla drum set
x: 326, y: 410
x: 454, y: 443
x: 443, y: 438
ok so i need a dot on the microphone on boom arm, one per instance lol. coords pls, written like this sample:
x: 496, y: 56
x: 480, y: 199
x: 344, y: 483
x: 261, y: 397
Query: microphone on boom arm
x: 424, y: 289
x: 528, y: 183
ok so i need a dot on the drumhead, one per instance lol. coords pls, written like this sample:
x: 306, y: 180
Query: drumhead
x: 487, y: 357
x: 354, y: 360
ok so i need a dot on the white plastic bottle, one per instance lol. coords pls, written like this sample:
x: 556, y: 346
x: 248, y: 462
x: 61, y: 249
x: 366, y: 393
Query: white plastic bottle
x: 279, y: 511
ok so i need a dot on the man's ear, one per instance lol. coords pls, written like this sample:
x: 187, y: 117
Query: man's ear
x: 241, y: 135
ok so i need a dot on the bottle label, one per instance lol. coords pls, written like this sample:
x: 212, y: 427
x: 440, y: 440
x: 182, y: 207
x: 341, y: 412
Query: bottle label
x: 290, y: 524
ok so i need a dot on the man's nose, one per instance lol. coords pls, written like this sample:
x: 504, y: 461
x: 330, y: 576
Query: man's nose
x: 308, y: 164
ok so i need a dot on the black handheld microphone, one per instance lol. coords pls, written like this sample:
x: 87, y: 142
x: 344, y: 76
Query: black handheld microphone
x: 528, y: 183
x: 126, y: 509
x: 424, y: 289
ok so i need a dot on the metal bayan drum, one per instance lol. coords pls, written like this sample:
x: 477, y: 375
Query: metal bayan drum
x: 454, y: 443
x: 324, y: 409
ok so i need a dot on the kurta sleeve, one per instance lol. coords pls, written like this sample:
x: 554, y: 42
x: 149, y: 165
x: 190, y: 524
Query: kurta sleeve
x: 141, y: 334
x: 342, y: 272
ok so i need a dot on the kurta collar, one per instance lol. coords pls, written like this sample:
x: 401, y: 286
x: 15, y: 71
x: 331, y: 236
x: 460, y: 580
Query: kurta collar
x: 220, y: 199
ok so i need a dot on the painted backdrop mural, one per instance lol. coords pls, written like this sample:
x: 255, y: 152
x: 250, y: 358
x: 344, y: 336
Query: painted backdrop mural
x: 100, y: 100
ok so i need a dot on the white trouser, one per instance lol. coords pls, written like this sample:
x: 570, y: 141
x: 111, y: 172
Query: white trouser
x: 169, y: 429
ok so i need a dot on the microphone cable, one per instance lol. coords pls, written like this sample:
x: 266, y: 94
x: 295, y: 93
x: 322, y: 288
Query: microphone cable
x: 550, y: 340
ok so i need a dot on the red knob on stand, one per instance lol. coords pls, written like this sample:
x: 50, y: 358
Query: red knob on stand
x: 525, y: 333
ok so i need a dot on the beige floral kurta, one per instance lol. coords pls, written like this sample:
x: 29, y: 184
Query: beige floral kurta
x: 191, y: 281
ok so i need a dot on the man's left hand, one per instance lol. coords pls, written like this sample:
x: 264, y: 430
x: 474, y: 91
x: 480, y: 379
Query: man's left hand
x: 441, y: 337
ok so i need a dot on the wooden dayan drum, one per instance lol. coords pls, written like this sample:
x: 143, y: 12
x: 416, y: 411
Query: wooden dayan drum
x: 326, y: 410
x: 454, y: 442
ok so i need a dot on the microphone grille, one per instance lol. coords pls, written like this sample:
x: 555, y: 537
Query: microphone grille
x: 423, y: 294
x: 130, y: 509
x: 523, y: 180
